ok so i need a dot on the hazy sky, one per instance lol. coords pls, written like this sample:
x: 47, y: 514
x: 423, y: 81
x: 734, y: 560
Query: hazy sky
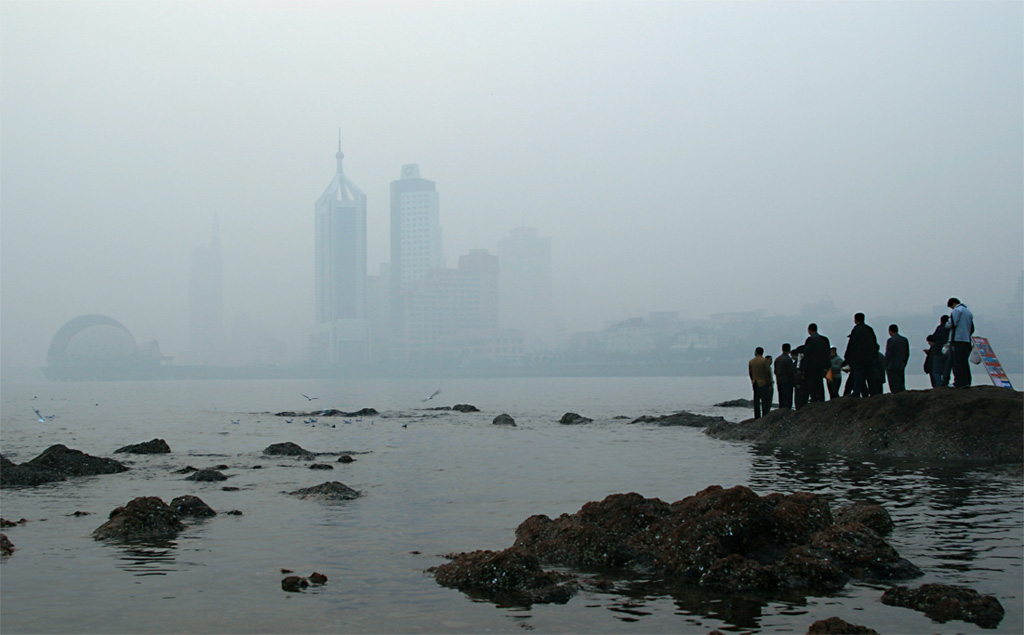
x: 690, y: 156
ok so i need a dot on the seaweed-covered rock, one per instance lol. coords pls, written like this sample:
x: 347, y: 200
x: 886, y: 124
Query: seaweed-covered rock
x: 321, y: 466
x: 874, y: 517
x: 25, y: 475
x: 465, y: 407
x: 156, y: 446
x: 836, y: 626
x: 571, y: 418
x: 6, y: 546
x: 504, y: 420
x: 681, y: 418
x: 317, y: 578
x: 294, y: 583
x: 346, y: 458
x: 64, y: 460
x: 330, y: 491
x: 206, y: 476
x: 289, y: 449
x: 510, y: 576
x: 944, y: 602
x: 143, y: 517
x: 193, y: 506
x: 979, y: 423
x: 735, y: 403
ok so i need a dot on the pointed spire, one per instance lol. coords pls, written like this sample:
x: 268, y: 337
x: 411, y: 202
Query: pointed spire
x: 340, y: 154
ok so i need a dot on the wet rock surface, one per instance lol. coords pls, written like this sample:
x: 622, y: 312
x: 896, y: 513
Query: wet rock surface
x: 682, y: 418
x: 56, y: 463
x: 836, y: 626
x: 944, y: 602
x: 294, y: 583
x: 143, y: 517
x: 330, y: 491
x: 329, y: 412
x: 980, y: 423
x: 872, y: 516
x: 725, y: 540
x: 289, y: 449
x: 156, y: 446
x: 735, y: 403
x: 206, y: 476
x: 25, y: 475
x: 191, y: 506
x: 6, y: 546
x: 573, y: 419
x: 512, y: 576
x: 504, y: 420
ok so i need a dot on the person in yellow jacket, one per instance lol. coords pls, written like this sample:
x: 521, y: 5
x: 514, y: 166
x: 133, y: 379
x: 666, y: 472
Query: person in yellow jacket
x: 760, y: 370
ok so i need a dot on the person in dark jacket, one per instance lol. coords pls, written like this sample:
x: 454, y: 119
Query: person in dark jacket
x: 861, y: 354
x: 940, y: 361
x: 816, y: 362
x: 799, y: 385
x: 897, y: 354
x: 785, y: 377
x: 876, y: 379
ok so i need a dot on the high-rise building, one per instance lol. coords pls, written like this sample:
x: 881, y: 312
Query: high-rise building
x: 525, y: 285
x: 415, y: 236
x: 206, y: 304
x: 340, y: 262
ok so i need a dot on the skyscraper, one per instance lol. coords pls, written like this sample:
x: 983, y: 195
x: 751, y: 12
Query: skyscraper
x: 340, y: 262
x: 525, y: 285
x: 415, y: 236
x: 206, y: 304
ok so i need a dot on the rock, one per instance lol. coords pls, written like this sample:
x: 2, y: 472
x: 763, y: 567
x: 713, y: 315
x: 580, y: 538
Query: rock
x: 836, y: 626
x: 186, y: 470
x: 321, y: 466
x: 294, y: 584
x: 510, y: 576
x: 329, y: 412
x: 736, y: 403
x: 4, y: 523
x: 330, y: 491
x: 874, y: 517
x: 571, y: 418
x: 724, y: 539
x: 980, y: 423
x: 504, y: 420
x: 317, y: 578
x: 345, y: 458
x: 206, y: 475
x: 465, y: 407
x: 944, y: 602
x: 193, y: 506
x: 233, y: 512
x: 6, y: 546
x: 64, y: 460
x: 156, y: 446
x: 25, y: 475
x: 289, y: 449
x: 683, y: 418
x: 143, y: 517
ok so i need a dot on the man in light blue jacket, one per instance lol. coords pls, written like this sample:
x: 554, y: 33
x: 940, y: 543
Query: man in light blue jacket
x: 960, y: 331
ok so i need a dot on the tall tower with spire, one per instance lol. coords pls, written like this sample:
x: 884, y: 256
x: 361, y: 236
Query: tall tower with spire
x: 340, y: 262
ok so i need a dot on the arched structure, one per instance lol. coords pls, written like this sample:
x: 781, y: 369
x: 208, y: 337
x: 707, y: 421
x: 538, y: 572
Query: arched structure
x: 59, y: 344
x: 100, y: 347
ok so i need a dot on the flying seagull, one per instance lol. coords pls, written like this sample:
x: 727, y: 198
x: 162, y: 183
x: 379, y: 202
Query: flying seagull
x: 436, y: 393
x: 308, y: 398
x: 42, y: 419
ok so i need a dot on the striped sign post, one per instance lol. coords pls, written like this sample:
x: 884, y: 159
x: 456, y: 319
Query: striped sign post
x: 992, y: 365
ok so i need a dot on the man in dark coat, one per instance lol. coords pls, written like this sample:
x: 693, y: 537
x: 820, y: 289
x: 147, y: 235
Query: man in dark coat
x: 897, y: 353
x: 785, y: 377
x: 816, y: 362
x: 861, y: 353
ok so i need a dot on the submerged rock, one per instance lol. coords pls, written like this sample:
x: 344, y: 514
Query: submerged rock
x: 682, y: 418
x: 294, y: 583
x: 836, y: 626
x: 504, y: 420
x: 510, y: 576
x: 346, y: 458
x: 206, y: 476
x: 944, y: 602
x: 330, y: 491
x: 289, y: 449
x: 156, y: 446
x: 6, y: 546
x: 143, y: 517
x: 980, y: 423
x: 571, y: 418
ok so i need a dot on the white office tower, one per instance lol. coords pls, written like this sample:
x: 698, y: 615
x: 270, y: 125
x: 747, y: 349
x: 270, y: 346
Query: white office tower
x: 525, y: 286
x: 415, y: 236
x: 340, y: 333
x: 206, y: 304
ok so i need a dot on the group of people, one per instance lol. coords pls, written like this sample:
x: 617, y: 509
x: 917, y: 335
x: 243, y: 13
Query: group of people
x: 802, y: 374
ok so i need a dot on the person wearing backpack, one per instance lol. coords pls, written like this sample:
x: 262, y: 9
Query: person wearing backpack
x: 960, y: 331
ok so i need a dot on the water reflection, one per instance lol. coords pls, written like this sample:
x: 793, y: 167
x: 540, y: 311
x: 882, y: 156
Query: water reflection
x: 149, y: 557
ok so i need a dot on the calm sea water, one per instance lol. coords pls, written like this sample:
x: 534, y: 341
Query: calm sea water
x: 437, y: 483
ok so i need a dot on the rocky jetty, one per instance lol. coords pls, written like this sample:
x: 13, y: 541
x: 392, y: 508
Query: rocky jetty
x: 944, y: 602
x: 142, y: 518
x: 725, y: 540
x: 56, y: 463
x: 289, y: 449
x: 573, y: 419
x: 330, y: 491
x: 681, y: 418
x: 156, y: 446
x: 981, y: 423
x: 504, y: 420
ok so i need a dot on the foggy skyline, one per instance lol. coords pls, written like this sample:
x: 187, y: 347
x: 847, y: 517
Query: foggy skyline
x: 682, y: 156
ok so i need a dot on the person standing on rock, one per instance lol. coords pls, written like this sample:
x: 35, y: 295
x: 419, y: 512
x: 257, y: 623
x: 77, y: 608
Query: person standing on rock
x: 785, y: 377
x: 961, y: 329
x: 897, y: 354
x: 836, y: 367
x: 861, y: 353
x: 816, y: 363
x: 799, y: 385
x: 760, y: 371
x: 939, y: 358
